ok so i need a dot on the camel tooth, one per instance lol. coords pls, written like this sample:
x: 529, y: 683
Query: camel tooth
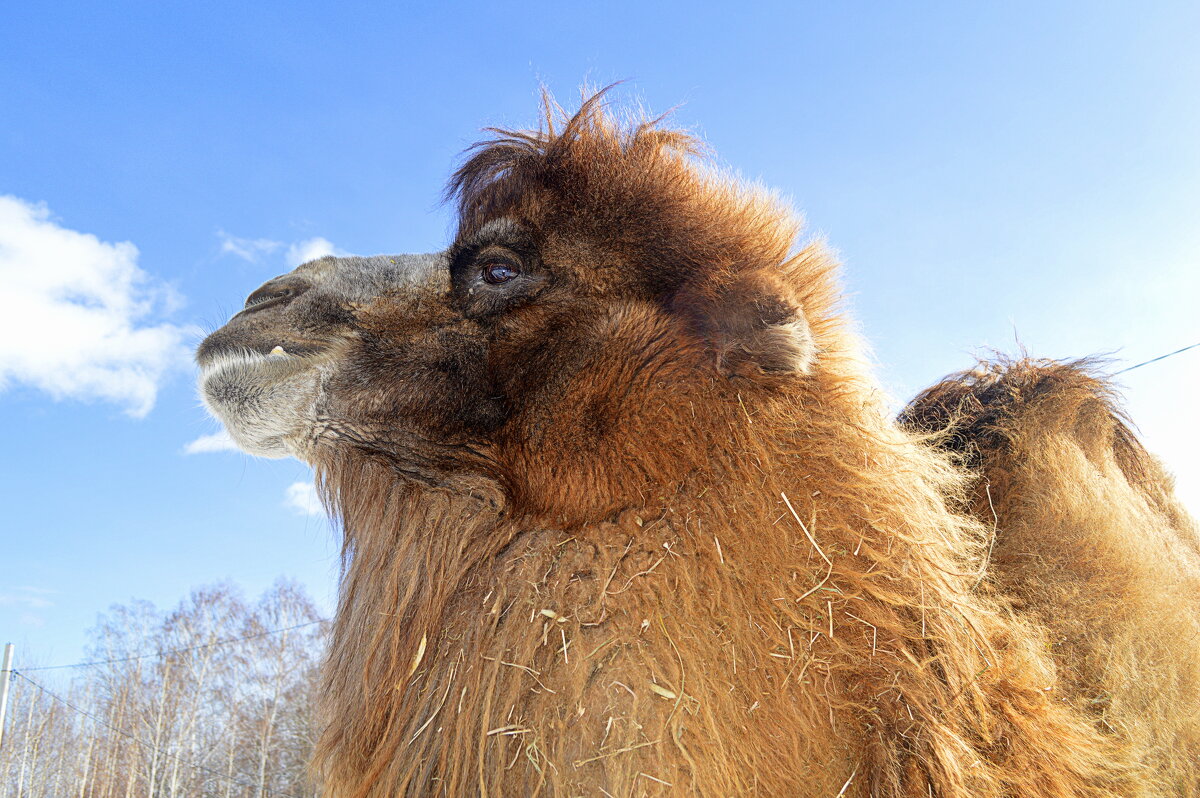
x: 279, y: 351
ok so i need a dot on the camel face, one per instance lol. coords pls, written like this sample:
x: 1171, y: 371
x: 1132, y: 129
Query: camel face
x: 449, y: 363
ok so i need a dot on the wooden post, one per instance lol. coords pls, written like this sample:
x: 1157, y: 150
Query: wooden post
x: 5, y: 679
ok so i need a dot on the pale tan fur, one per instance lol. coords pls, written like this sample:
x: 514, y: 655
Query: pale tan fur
x: 1091, y: 543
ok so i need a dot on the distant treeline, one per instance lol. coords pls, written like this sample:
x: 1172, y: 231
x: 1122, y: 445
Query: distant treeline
x: 213, y: 699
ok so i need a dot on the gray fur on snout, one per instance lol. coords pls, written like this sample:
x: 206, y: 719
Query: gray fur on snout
x: 271, y: 403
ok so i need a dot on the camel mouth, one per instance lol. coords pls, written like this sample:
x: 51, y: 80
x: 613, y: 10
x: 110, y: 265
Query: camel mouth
x: 279, y: 363
x: 210, y: 356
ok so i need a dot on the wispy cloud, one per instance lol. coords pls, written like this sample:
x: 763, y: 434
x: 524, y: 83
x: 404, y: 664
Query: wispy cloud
x: 301, y: 497
x: 255, y: 250
x: 74, y: 320
x: 32, y: 598
x: 311, y: 249
x: 248, y: 249
x: 217, y: 442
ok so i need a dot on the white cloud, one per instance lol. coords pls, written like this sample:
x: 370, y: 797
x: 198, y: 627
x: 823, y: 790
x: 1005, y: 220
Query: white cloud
x: 73, y: 318
x: 217, y: 442
x: 250, y: 249
x: 301, y: 497
x: 311, y: 249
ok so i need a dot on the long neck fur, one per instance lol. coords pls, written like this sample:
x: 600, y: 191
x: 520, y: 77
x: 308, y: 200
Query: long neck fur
x: 713, y: 639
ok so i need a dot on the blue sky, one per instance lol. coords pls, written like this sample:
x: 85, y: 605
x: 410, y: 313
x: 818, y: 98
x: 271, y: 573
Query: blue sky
x: 1023, y: 170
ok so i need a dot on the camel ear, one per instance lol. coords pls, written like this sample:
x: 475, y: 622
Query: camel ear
x: 773, y: 350
x: 754, y: 326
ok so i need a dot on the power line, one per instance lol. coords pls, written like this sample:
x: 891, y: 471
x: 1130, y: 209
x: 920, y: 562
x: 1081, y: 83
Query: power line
x: 1156, y: 359
x: 218, y: 774
x: 168, y: 652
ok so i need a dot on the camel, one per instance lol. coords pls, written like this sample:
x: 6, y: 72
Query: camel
x: 624, y: 512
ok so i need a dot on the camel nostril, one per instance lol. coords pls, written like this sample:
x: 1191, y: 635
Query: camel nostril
x: 276, y: 292
x: 262, y: 296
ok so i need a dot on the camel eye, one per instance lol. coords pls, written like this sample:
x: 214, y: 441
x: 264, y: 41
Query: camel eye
x: 498, y: 272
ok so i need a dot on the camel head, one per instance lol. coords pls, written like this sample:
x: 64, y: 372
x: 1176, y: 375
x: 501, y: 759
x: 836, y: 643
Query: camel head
x: 606, y: 291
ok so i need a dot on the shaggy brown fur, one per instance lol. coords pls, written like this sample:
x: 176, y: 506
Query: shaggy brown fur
x: 1091, y: 543
x: 624, y: 514
x: 634, y: 607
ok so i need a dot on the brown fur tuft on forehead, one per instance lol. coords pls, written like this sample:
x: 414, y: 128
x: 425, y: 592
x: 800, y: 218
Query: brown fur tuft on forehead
x: 643, y: 194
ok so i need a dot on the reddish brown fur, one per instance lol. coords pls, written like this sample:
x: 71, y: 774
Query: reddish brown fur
x: 689, y: 553
x: 1091, y: 543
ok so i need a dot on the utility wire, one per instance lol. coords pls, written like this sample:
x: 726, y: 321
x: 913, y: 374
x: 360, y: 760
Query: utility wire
x: 216, y: 773
x: 168, y: 652
x: 1156, y: 359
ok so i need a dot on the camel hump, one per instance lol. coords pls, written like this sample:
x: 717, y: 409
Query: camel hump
x: 992, y: 405
x: 1010, y: 408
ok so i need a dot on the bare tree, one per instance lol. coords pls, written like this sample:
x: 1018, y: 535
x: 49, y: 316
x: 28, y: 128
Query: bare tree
x: 213, y: 699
